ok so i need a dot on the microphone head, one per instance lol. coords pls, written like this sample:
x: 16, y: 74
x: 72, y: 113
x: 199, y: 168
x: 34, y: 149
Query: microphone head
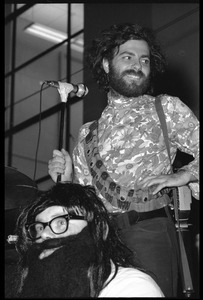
x: 79, y: 89
x: 82, y: 90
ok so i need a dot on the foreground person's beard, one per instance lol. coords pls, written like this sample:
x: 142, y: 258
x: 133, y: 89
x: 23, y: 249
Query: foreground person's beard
x: 63, y: 274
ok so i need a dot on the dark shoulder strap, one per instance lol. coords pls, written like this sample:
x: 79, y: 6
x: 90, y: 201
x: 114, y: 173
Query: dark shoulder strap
x: 162, y: 119
x: 184, y: 265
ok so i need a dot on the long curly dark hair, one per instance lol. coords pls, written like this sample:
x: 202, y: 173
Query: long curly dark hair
x: 75, y: 197
x: 107, y: 45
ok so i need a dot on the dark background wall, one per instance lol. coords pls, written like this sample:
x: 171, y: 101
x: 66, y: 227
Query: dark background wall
x: 177, y: 28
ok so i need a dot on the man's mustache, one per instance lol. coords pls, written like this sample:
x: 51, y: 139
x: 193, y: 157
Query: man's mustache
x: 133, y: 72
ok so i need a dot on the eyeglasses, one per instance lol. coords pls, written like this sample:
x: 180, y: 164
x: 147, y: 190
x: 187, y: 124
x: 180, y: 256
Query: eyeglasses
x: 58, y: 225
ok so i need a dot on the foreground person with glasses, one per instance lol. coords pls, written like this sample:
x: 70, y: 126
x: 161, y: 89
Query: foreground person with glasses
x: 68, y: 248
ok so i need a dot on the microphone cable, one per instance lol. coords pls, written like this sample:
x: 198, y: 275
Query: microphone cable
x: 39, y: 131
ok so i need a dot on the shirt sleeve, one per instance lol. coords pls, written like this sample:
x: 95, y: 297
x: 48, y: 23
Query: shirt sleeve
x: 184, y: 133
x: 130, y: 282
x: 81, y: 170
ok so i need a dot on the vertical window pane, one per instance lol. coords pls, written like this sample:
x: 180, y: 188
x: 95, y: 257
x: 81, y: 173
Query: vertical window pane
x: 35, y: 61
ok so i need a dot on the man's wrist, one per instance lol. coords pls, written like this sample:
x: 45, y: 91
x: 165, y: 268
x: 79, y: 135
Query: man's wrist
x: 187, y: 175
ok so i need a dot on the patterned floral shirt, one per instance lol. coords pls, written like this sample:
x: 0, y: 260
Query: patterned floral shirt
x: 131, y: 142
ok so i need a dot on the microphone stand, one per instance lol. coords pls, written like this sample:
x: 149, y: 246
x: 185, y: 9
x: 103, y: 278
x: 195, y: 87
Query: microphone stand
x: 63, y: 106
x: 64, y: 93
x: 64, y: 90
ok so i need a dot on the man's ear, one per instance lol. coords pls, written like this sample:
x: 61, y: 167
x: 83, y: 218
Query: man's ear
x: 105, y: 64
x: 105, y: 231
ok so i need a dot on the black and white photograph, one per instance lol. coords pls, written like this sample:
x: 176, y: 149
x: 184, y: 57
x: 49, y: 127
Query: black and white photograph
x: 101, y: 149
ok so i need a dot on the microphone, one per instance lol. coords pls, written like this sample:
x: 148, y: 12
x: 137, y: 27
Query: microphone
x: 79, y: 89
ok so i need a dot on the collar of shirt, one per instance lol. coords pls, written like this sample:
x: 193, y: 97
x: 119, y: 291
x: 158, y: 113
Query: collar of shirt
x: 119, y: 101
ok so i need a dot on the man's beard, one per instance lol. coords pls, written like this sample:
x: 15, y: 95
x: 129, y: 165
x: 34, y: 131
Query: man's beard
x: 126, y: 89
x: 64, y: 273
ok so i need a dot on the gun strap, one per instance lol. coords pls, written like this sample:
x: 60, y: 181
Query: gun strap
x: 184, y: 266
